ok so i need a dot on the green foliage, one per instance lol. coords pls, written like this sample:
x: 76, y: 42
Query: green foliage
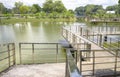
x: 37, y: 15
x: 80, y: 11
x: 100, y: 13
x: 55, y: 9
x: 69, y: 14
x: 111, y: 45
x: 8, y: 15
x: 42, y: 14
x: 17, y: 7
x: 89, y: 9
x: 48, y: 6
x: 3, y: 9
x: 57, y: 6
x: 92, y: 9
x: 24, y: 16
x: 111, y: 8
x: 24, y: 9
x: 35, y: 8
x: 18, y: 4
x: 118, y: 11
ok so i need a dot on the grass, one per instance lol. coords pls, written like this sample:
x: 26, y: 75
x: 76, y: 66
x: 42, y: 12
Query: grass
x: 112, y: 45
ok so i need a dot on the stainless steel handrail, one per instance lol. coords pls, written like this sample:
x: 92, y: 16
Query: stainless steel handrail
x: 71, y: 67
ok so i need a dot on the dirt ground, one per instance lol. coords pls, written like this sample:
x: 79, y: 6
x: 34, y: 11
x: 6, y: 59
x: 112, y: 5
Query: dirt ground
x: 39, y: 70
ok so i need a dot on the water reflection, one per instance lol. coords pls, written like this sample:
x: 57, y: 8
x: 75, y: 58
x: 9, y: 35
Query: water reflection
x: 31, y: 32
x: 45, y: 31
x: 106, y: 28
x: 6, y: 33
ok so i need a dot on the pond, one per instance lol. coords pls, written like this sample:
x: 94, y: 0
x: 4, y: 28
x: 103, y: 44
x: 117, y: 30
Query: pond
x: 45, y: 32
x: 31, y: 32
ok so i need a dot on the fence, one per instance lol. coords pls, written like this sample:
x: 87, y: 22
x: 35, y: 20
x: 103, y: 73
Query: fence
x: 99, y: 63
x: 31, y: 53
x: 73, y: 34
x: 7, y: 56
x: 71, y: 67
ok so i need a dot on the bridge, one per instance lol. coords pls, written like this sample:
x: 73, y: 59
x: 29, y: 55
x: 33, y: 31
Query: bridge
x: 96, y: 55
x: 115, y: 20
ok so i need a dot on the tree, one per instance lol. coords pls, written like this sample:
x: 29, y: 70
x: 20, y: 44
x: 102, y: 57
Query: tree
x: 100, y: 13
x: 80, y: 11
x: 17, y: 7
x: 92, y: 9
x: 3, y: 9
x: 68, y: 14
x: 59, y: 7
x: 48, y: 6
x: 42, y: 14
x: 24, y: 9
x: 118, y: 11
x: 35, y: 8
x: 89, y: 9
x: 111, y: 8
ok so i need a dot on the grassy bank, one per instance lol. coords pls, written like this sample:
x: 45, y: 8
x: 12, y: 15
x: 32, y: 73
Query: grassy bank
x: 111, y: 45
x: 16, y: 20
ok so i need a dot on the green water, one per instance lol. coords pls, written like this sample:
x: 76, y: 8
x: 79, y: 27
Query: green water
x: 43, y: 32
x: 31, y: 32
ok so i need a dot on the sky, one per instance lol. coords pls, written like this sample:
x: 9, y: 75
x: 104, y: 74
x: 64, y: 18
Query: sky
x: 69, y: 4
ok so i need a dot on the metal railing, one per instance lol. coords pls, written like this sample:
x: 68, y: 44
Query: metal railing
x: 71, y: 66
x: 31, y: 53
x: 34, y: 53
x: 7, y: 56
x: 94, y: 62
x: 102, y: 40
x: 99, y: 63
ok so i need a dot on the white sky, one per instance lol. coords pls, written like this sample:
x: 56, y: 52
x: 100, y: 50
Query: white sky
x: 69, y: 4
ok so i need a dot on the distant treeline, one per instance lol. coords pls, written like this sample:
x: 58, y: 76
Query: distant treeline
x: 56, y: 9
x: 50, y: 9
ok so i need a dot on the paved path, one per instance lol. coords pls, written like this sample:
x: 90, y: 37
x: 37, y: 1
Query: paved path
x: 39, y: 70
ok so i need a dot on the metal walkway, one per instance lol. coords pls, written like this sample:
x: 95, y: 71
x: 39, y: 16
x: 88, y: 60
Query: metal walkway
x: 97, y: 55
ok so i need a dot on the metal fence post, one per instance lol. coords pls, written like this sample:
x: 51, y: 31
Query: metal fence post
x: 80, y: 30
x: 115, y: 68
x: 93, y: 62
x: 56, y: 52
x: 66, y: 70
x: 8, y: 55
x: 80, y: 53
x: 33, y: 53
x: 14, y: 54
x: 20, y: 53
x: 87, y: 34
x: 100, y: 40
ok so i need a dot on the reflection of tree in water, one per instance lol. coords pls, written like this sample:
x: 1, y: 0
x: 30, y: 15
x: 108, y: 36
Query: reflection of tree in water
x: 20, y: 27
x: 21, y: 30
x: 36, y: 23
